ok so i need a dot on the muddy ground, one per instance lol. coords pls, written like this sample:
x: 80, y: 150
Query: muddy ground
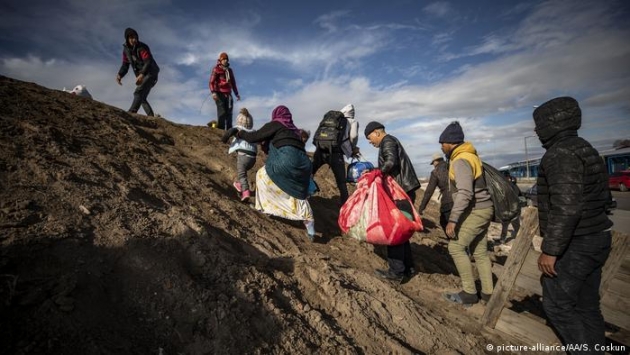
x: 122, y: 234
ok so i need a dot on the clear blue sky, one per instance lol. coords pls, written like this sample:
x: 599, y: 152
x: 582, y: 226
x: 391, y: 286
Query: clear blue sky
x: 412, y: 65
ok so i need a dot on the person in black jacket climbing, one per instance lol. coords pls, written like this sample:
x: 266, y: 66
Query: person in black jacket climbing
x: 139, y: 56
x: 394, y: 161
x: 572, y: 195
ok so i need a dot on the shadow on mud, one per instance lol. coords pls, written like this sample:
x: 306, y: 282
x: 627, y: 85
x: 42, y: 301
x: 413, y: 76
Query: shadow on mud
x: 179, y: 294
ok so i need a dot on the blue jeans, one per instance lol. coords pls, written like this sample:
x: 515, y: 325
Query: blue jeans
x: 571, y: 299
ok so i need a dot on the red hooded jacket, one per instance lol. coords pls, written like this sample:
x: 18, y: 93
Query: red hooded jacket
x: 219, y: 80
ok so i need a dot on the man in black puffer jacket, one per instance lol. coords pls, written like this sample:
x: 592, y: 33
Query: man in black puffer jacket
x: 139, y: 56
x: 572, y: 195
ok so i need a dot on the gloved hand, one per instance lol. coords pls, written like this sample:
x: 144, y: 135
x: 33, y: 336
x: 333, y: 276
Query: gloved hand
x: 229, y: 133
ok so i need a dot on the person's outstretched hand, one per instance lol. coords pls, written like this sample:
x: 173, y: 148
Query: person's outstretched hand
x: 118, y: 80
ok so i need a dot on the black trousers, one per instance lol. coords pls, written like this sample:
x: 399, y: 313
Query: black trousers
x: 224, y: 110
x: 399, y: 257
x: 141, y: 93
x: 338, y: 166
x: 571, y: 299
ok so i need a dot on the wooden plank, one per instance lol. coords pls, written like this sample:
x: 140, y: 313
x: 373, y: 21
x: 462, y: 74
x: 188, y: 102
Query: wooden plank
x: 528, y: 330
x: 512, y: 267
x: 622, y: 276
x: 625, y: 266
x: 618, y: 257
x: 616, y: 309
x: 613, y: 316
x: 618, y: 287
x: 622, y: 336
x: 529, y: 277
x: 620, y: 303
x: 532, y: 286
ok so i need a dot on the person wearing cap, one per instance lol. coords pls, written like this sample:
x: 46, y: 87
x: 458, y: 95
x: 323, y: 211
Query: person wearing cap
x: 138, y: 55
x: 394, y: 161
x: 572, y: 196
x: 439, y: 178
x: 222, y: 83
x: 470, y: 216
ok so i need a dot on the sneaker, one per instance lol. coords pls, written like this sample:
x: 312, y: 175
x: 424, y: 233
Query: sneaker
x: 388, y: 275
x: 464, y: 298
x: 245, y: 196
x: 237, y: 186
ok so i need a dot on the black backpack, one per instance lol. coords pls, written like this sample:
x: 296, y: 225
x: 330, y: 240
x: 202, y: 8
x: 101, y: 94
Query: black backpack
x: 331, y: 129
x: 504, y: 194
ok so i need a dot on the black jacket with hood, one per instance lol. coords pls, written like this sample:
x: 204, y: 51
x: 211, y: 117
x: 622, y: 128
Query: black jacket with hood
x: 393, y: 160
x: 572, y: 178
x: 139, y: 57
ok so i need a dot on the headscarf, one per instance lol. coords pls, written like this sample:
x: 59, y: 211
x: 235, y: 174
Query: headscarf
x: 283, y: 115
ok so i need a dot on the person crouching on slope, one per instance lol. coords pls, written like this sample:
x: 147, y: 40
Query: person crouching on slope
x: 282, y: 184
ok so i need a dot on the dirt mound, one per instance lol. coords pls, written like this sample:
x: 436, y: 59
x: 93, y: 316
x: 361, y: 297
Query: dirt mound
x: 122, y: 234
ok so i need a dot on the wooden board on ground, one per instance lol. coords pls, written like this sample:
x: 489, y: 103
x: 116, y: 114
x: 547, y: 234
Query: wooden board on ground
x: 528, y: 330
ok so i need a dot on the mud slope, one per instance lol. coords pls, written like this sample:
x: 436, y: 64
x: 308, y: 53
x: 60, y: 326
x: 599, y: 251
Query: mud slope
x: 121, y: 234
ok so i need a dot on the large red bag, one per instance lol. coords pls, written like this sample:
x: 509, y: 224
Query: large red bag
x: 371, y: 214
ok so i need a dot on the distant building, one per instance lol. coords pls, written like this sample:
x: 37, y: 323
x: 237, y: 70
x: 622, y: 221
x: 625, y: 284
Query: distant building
x: 616, y: 160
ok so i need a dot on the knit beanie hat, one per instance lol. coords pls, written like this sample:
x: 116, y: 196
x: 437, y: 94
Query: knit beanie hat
x: 130, y: 32
x: 348, y: 111
x: 452, y: 134
x: 371, y: 127
x: 223, y: 55
x: 245, y: 119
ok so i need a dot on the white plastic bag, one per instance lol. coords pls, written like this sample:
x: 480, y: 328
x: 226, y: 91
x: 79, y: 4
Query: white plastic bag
x: 79, y: 90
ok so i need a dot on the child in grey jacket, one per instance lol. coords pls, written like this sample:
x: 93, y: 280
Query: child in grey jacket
x: 246, y: 153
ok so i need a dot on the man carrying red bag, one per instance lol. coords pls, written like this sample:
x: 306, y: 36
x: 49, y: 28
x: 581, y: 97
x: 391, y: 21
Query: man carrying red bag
x: 394, y: 161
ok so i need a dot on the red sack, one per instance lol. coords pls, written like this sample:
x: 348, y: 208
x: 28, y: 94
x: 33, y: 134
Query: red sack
x: 371, y: 214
